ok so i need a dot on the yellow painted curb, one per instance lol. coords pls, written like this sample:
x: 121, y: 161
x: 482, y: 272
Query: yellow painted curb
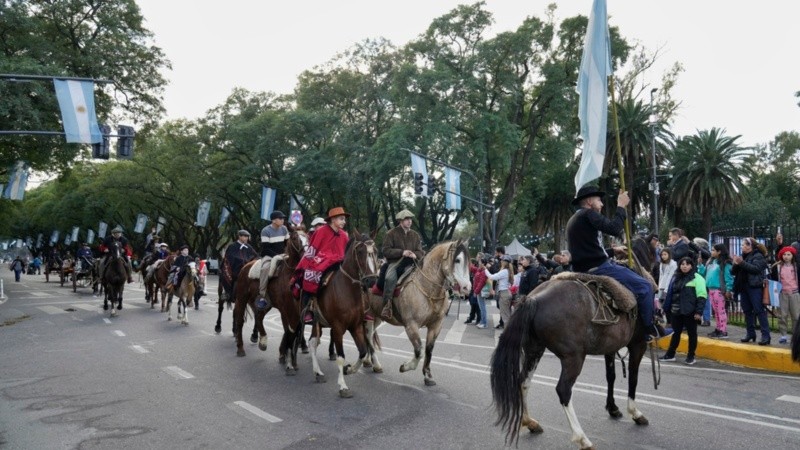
x: 745, y: 355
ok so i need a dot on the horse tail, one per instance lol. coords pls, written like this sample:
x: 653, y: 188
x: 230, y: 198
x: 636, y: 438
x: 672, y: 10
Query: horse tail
x: 796, y: 341
x: 507, y: 370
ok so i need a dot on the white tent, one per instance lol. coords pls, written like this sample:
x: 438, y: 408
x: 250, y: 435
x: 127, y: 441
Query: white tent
x: 516, y: 250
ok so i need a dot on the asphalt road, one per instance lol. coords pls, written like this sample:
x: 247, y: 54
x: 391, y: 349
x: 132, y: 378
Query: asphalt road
x: 70, y: 377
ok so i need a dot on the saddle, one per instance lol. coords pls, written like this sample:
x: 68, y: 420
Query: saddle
x: 255, y: 269
x: 611, y: 296
x: 377, y: 288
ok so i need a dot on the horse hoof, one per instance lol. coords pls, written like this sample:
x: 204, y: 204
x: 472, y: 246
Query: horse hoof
x: 345, y: 393
x: 614, y: 413
x: 332, y: 357
x: 348, y: 369
x: 282, y: 360
x: 240, y: 353
x: 262, y: 347
x: 152, y: 306
x: 119, y: 306
x: 291, y: 371
x: 367, y: 364
x: 105, y: 307
x: 402, y: 369
x: 641, y: 420
x: 162, y: 309
x: 320, y: 378
x: 253, y: 339
x: 185, y: 322
x: 304, y: 350
x: 218, y: 329
x: 429, y: 382
x: 534, y: 427
x: 377, y: 369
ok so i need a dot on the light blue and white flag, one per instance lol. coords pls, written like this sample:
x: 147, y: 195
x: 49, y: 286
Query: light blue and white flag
x: 20, y: 243
x: 295, y: 201
x: 160, y: 224
x: 418, y: 167
x: 17, y: 180
x: 76, y: 100
x: 101, y: 230
x: 452, y: 198
x: 202, y: 213
x: 141, y: 222
x: 74, y: 237
x: 90, y: 237
x: 267, y: 202
x: 54, y: 237
x: 67, y: 239
x: 223, y: 216
x: 775, y: 293
x: 593, y: 90
x: 39, y: 240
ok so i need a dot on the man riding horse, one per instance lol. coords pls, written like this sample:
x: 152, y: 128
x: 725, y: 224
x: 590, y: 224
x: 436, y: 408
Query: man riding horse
x: 237, y: 254
x: 116, y: 238
x: 273, y: 243
x: 402, y: 246
x: 179, y: 267
x: 584, y: 238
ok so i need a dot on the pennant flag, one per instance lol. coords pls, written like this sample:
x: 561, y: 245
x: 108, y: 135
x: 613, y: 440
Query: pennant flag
x: 141, y: 222
x: 17, y: 180
x: 76, y: 100
x: 160, y: 224
x: 223, y: 216
x: 101, y: 230
x: 593, y: 90
x: 452, y: 198
x: 74, y: 237
x: 267, y: 201
x: 54, y: 237
x: 90, y: 237
x: 419, y: 168
x: 202, y: 213
x: 67, y: 239
x: 39, y: 240
x: 295, y: 201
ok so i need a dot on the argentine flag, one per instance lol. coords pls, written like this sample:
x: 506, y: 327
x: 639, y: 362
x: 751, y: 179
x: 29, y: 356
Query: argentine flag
x: 76, y: 100
x: 17, y: 180
x: 267, y: 201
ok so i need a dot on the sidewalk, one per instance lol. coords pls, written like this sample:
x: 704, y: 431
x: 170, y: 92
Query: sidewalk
x: 774, y: 357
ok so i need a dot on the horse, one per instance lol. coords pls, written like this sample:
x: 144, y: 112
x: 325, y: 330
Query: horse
x: 423, y: 302
x: 185, y: 293
x: 157, y: 282
x: 340, y: 304
x: 542, y: 322
x: 796, y: 341
x: 141, y: 268
x: 280, y: 297
x: 114, y: 277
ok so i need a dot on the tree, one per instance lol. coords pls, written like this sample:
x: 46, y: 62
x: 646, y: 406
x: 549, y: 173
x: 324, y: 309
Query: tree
x: 708, y: 175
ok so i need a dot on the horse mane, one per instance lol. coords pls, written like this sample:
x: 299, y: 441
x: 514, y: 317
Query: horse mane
x: 643, y: 252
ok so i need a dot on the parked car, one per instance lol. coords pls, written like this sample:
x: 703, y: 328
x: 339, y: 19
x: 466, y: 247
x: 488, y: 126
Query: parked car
x: 213, y: 266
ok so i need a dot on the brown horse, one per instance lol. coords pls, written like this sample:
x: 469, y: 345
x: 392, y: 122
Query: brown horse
x: 341, y: 304
x: 280, y: 297
x: 423, y: 302
x: 185, y: 293
x: 114, y: 278
x: 157, y: 282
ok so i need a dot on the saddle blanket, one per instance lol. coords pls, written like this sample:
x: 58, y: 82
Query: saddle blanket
x: 255, y: 269
x: 379, y: 292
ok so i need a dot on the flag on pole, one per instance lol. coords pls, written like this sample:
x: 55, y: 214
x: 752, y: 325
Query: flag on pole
x: 223, y: 216
x: 418, y: 167
x: 452, y: 198
x: 67, y: 239
x: 141, y: 222
x: 267, y: 201
x: 39, y: 240
x: 160, y: 224
x: 295, y: 201
x: 202, y: 213
x: 775, y: 292
x: 74, y: 237
x: 54, y: 237
x: 90, y: 237
x: 17, y: 180
x: 76, y: 100
x: 101, y: 230
x: 593, y: 90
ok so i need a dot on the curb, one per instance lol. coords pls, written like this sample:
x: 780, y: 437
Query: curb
x: 743, y: 355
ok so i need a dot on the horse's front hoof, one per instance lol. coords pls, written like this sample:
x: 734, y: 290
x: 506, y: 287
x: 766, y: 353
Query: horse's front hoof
x: 614, y: 412
x: 403, y: 368
x: 377, y: 369
x: 162, y: 309
x: 240, y: 352
x: 185, y: 322
x: 291, y: 371
x: 534, y: 427
x: 332, y: 357
x: 348, y: 369
x: 641, y: 420
x: 367, y: 364
x: 304, y: 350
x: 218, y: 329
x: 345, y: 393
x: 253, y: 338
x: 119, y: 306
x: 262, y: 346
x: 429, y: 382
x: 319, y: 378
x: 169, y: 319
x: 152, y: 306
x: 105, y: 307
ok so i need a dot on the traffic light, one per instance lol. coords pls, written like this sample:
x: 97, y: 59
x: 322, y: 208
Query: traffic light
x: 431, y: 186
x: 125, y: 142
x: 101, y: 149
x: 418, y: 178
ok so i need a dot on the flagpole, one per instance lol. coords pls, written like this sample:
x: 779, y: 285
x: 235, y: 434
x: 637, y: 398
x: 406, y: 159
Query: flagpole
x: 621, y: 169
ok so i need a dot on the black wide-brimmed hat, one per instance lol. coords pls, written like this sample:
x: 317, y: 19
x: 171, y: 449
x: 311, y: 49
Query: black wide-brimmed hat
x: 587, y: 191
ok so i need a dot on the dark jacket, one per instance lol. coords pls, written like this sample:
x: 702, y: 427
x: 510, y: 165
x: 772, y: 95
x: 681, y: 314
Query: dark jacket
x: 750, y: 273
x: 687, y: 294
x: 528, y: 280
x: 583, y: 237
x: 398, y: 240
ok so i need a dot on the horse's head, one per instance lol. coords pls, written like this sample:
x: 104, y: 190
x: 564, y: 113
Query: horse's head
x: 115, y: 251
x: 458, y: 263
x: 362, y: 255
x: 296, y: 247
x: 191, y: 270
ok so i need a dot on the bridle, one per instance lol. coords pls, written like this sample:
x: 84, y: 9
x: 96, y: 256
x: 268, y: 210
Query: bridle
x: 371, y: 256
x: 448, y: 262
x: 300, y: 248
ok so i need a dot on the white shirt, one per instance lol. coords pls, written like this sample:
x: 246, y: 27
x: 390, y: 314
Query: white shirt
x: 501, y: 277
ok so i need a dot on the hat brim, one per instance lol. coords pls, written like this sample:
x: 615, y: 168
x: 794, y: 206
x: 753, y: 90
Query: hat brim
x: 578, y: 199
x: 328, y: 219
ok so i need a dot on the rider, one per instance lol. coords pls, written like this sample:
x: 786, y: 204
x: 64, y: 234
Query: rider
x: 116, y: 237
x: 402, y: 246
x: 584, y: 239
x: 152, y: 245
x: 178, y: 269
x: 273, y: 243
x: 325, y: 248
x: 237, y: 255
x: 316, y: 224
x: 163, y: 251
x: 85, y: 256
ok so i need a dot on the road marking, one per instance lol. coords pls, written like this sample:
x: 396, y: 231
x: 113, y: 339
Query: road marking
x: 139, y: 349
x: 258, y: 412
x: 106, y: 320
x: 789, y: 398
x: 85, y: 306
x: 177, y: 372
x: 51, y: 309
x: 119, y: 333
x: 456, y: 331
x: 207, y: 333
x: 41, y: 294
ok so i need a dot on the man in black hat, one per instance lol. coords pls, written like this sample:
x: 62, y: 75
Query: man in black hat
x: 237, y: 254
x: 273, y: 243
x: 584, y: 238
x: 179, y: 266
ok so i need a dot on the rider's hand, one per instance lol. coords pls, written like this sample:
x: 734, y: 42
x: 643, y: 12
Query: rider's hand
x: 623, y: 199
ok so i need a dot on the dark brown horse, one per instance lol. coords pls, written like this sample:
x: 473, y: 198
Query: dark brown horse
x: 542, y: 322
x: 342, y: 306
x: 280, y: 297
x: 114, y: 278
x: 156, y: 282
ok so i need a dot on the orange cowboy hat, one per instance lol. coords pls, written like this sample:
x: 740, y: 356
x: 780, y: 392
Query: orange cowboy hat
x: 335, y: 212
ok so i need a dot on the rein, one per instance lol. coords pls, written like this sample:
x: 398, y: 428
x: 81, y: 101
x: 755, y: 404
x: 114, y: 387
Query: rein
x: 444, y: 286
x: 363, y: 278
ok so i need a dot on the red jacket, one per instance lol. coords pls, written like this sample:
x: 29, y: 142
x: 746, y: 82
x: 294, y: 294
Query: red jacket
x: 325, y: 249
x: 478, y: 281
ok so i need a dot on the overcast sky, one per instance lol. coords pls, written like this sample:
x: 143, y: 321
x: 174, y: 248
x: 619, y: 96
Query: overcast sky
x: 740, y: 58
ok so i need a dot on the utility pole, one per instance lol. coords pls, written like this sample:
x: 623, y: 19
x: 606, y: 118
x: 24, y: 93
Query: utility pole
x: 654, y: 183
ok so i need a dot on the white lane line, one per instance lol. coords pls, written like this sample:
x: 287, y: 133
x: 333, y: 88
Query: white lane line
x: 456, y: 331
x: 41, y: 294
x: 207, y: 333
x: 789, y: 398
x: 119, y: 333
x: 85, y: 306
x: 177, y: 372
x: 139, y: 349
x: 106, y: 320
x: 51, y: 309
x: 258, y: 412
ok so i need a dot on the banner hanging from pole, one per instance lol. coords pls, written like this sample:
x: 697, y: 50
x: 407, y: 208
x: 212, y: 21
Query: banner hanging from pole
x: 452, y: 198
x: 76, y: 101
x: 267, y: 202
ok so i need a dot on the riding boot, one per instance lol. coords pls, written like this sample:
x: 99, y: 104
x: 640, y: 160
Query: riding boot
x: 308, y: 317
x: 263, y: 302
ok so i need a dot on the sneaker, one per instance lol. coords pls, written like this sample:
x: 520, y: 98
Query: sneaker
x: 723, y: 335
x: 666, y: 358
x: 705, y: 323
x: 480, y: 325
x: 783, y: 340
x: 714, y: 334
x: 689, y: 361
x: 468, y: 321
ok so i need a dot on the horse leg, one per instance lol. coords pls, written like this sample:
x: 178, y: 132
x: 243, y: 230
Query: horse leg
x: 220, y: 308
x: 373, y: 352
x: 528, y: 421
x: 238, y: 323
x: 336, y: 336
x: 430, y: 341
x: 185, y: 317
x: 571, y: 366
x: 611, y: 377
x: 262, y: 332
x: 314, y: 343
x: 412, y: 331
x: 169, y: 304
x: 636, y: 353
x: 357, y: 332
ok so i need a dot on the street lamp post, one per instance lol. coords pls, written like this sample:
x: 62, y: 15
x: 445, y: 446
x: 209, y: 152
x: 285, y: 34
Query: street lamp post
x: 654, y: 184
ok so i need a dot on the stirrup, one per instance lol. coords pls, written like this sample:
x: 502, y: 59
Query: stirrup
x: 386, y: 312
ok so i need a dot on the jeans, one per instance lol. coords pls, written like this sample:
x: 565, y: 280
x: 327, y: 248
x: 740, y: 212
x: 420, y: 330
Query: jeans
x: 474, y: 310
x: 482, y: 307
x: 752, y: 307
x: 679, y: 322
x: 707, y: 312
x: 17, y: 273
x: 640, y: 287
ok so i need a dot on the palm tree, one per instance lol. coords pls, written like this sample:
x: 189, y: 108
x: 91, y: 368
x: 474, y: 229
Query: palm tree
x: 707, y: 174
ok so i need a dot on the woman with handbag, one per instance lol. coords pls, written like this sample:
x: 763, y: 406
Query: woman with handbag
x: 748, y: 272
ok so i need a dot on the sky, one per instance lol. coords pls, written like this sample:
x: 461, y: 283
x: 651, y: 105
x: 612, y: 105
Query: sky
x: 739, y: 75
